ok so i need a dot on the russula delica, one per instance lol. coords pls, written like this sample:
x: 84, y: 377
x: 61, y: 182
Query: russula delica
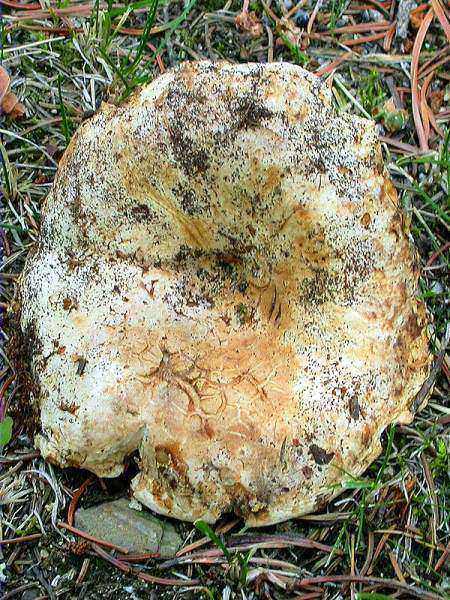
x: 223, y: 282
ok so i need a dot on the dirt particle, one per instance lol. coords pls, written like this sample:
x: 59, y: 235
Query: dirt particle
x: 69, y: 304
x: 321, y: 456
x: 69, y: 407
x: 250, y: 113
x: 354, y: 408
x: 307, y: 472
x: 141, y: 212
x: 192, y: 158
x: 170, y: 456
x: 192, y: 204
x: 81, y: 365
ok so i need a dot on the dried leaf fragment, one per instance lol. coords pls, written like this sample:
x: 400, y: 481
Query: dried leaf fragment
x: 249, y: 23
x: 9, y: 103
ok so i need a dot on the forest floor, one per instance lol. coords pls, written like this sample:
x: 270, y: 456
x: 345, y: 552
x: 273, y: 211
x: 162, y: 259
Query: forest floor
x: 388, y: 534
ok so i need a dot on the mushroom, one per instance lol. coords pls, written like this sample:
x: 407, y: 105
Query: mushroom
x: 224, y: 283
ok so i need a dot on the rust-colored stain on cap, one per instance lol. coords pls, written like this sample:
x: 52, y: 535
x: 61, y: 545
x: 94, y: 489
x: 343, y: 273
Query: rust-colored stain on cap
x: 224, y: 263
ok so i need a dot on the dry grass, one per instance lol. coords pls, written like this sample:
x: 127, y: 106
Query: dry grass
x: 389, y: 533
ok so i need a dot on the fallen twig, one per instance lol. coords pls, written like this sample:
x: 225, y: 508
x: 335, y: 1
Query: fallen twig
x: 313, y: 16
x: 407, y: 148
x: 19, y: 540
x: 396, y: 567
x: 377, y: 6
x: 20, y: 5
x: 167, y: 581
x: 442, y: 558
x: 91, y: 538
x: 389, y: 583
x: 111, y: 559
x: 21, y: 588
x: 434, y: 505
x: 440, y: 14
x: 19, y: 457
x: 426, y: 388
x: 333, y: 65
x: 369, y: 554
x: 75, y: 498
x: 83, y: 571
x: 139, y: 557
x: 423, y: 142
x: 435, y: 255
x: 125, y: 568
x: 220, y: 531
x: 243, y: 543
x: 379, y: 548
x: 363, y: 27
x: 364, y: 40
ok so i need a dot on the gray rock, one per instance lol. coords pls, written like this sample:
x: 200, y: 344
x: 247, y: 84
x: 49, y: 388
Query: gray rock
x: 31, y: 594
x: 403, y: 16
x: 138, y: 531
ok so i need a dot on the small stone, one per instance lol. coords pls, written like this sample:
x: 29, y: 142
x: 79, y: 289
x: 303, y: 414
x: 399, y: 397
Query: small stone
x: 403, y: 17
x: 138, y: 531
x: 301, y: 18
x: 31, y: 594
x: 373, y: 15
x: 436, y: 287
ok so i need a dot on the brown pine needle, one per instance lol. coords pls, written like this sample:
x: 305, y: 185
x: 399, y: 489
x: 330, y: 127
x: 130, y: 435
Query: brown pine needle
x: 387, y: 583
x: 20, y: 540
x: 75, y: 498
x: 440, y: 14
x: 423, y: 140
x: 91, y: 538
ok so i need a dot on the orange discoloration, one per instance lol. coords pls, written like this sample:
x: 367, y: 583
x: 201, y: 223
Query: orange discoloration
x: 272, y: 179
x: 160, y: 496
x: 389, y: 196
x: 173, y: 457
x: 366, y: 434
x: 366, y: 220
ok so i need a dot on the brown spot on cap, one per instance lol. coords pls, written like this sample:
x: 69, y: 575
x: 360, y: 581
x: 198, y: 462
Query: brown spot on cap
x: 209, y: 431
x: 68, y: 304
x: 366, y: 220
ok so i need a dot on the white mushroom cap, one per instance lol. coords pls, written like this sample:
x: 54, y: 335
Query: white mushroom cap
x: 223, y: 282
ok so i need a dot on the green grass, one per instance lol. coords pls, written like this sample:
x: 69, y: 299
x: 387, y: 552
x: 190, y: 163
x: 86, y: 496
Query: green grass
x: 297, y: 56
x: 371, y: 91
x: 236, y: 559
x: 337, y: 8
